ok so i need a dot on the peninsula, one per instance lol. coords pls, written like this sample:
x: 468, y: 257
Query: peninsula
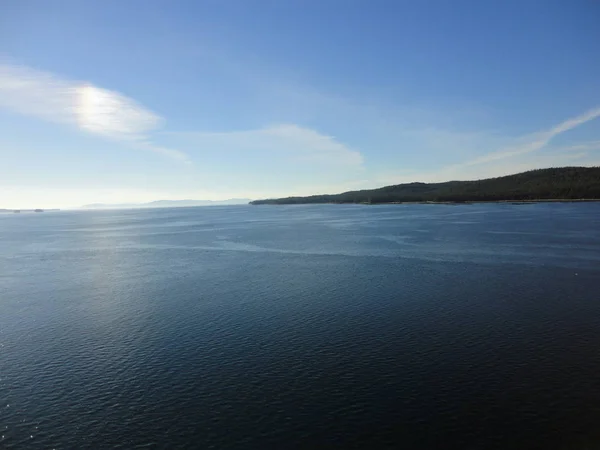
x: 554, y: 184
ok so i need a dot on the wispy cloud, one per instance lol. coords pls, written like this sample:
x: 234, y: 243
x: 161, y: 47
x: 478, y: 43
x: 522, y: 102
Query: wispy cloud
x: 537, y: 141
x: 293, y: 142
x: 412, y: 141
x: 532, y: 151
x: 310, y: 145
x: 89, y: 108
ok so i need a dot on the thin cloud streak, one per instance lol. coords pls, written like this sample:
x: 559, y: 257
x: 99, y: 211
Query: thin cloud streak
x: 537, y: 141
x: 91, y: 109
x: 299, y: 144
x: 514, y: 158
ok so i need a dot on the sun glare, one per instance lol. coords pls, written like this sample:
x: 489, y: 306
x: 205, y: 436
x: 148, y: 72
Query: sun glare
x: 96, y: 109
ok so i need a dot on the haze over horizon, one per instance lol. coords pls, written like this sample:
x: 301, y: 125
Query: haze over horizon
x: 132, y: 102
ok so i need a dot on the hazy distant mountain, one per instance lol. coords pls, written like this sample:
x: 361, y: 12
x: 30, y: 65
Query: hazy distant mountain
x: 109, y: 205
x: 168, y: 204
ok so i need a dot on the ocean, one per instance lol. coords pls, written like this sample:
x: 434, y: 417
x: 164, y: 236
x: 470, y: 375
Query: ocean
x: 307, y: 326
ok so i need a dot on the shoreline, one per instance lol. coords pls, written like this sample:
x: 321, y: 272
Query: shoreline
x: 517, y: 202
x: 432, y: 202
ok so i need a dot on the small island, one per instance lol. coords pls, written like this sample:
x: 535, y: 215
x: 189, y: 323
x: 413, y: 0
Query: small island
x: 554, y: 184
x: 18, y: 211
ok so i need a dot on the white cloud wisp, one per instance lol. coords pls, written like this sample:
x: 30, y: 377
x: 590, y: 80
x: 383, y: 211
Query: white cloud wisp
x: 537, y: 141
x: 295, y: 143
x: 520, y: 155
x: 89, y: 108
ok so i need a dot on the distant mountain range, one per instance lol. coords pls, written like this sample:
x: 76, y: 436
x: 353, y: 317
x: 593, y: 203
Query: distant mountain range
x: 168, y: 204
x: 559, y: 184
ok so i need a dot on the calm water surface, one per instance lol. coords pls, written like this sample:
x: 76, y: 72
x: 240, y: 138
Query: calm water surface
x: 401, y: 326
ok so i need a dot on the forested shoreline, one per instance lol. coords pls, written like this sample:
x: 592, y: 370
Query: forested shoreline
x: 554, y: 184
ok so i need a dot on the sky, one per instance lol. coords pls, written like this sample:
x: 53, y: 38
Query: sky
x: 140, y: 100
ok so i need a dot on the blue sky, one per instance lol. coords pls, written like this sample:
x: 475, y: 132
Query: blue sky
x: 132, y: 101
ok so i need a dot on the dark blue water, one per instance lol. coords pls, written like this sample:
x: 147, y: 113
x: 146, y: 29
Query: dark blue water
x: 401, y: 326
